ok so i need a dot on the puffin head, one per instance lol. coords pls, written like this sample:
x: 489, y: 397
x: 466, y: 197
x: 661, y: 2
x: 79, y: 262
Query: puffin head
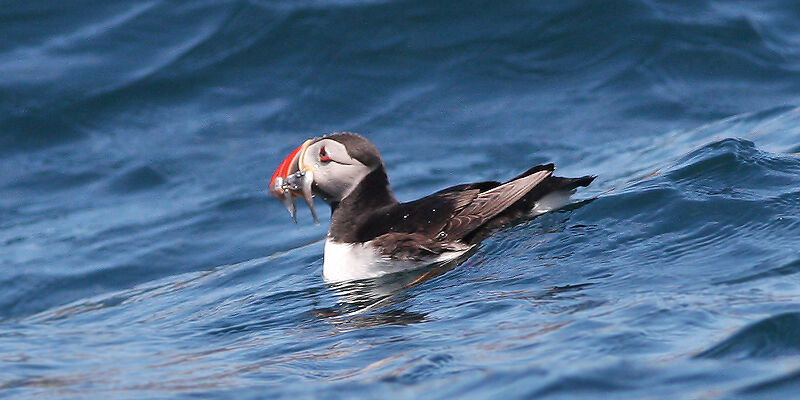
x: 329, y: 167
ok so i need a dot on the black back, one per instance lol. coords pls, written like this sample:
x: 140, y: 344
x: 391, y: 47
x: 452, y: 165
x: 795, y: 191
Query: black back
x: 371, y: 211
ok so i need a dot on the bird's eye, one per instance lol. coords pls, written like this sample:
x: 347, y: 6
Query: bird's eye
x: 323, y: 154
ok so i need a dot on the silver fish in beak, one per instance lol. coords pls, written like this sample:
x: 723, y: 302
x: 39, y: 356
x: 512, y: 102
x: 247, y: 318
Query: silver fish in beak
x: 292, y: 180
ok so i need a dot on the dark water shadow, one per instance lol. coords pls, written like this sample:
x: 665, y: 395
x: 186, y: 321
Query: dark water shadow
x: 772, y: 337
x: 784, y: 386
x: 790, y: 268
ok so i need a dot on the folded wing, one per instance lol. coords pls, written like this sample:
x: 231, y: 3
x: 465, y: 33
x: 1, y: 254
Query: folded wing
x: 488, y: 204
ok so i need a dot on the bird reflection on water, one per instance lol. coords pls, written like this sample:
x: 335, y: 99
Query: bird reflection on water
x: 371, y: 302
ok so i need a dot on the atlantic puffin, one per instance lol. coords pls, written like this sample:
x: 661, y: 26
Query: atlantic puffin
x: 372, y: 234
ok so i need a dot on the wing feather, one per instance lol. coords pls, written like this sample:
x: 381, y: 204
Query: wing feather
x: 490, y: 203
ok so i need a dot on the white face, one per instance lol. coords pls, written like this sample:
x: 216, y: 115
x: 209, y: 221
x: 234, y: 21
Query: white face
x: 336, y: 173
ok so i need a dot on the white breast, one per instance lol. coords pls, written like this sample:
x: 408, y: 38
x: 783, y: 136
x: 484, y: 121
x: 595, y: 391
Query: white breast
x: 351, y: 261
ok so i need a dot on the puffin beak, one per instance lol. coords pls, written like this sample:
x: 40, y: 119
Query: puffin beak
x: 292, y: 179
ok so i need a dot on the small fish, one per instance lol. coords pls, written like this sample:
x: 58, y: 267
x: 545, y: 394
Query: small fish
x: 299, y: 181
x: 285, y: 186
x: 280, y: 190
x: 308, y: 180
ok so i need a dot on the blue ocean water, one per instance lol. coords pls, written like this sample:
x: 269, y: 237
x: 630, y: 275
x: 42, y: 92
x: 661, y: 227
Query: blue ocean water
x: 140, y: 256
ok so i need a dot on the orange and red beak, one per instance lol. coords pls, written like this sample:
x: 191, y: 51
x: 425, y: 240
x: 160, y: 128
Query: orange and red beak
x: 289, y: 165
x: 292, y: 179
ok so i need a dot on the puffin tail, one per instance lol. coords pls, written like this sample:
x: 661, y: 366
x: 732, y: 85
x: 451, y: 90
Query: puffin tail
x: 556, y: 183
x: 568, y: 184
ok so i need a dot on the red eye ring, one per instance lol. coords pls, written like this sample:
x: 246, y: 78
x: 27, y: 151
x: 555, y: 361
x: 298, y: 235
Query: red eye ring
x: 323, y: 155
